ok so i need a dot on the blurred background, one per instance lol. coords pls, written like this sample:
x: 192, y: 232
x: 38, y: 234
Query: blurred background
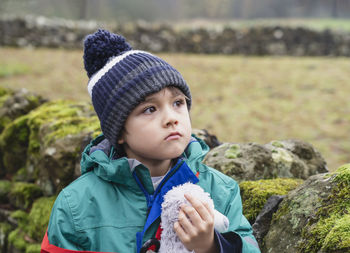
x: 179, y: 10
x: 259, y: 70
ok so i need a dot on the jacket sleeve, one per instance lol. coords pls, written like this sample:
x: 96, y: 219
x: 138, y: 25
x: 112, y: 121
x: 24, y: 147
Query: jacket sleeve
x: 239, y: 225
x: 61, y: 230
x: 229, y: 242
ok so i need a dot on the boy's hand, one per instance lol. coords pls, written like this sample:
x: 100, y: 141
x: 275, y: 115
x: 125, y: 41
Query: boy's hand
x: 195, y: 227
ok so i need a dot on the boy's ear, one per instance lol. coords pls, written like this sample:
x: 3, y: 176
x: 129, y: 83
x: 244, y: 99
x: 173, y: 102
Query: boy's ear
x: 121, y: 141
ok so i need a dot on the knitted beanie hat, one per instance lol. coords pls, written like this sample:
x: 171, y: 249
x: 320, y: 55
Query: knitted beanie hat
x: 121, y: 78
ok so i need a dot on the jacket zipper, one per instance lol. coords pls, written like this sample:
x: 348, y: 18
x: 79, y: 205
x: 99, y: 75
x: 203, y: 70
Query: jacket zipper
x: 150, y: 197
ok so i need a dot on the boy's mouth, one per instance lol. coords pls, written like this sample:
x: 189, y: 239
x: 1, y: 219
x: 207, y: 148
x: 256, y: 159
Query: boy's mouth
x: 173, y: 136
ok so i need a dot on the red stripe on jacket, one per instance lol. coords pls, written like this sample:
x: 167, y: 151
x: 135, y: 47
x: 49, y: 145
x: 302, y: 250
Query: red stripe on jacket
x: 46, y: 247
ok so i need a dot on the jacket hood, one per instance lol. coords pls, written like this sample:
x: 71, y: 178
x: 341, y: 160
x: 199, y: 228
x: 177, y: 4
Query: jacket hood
x: 101, y: 157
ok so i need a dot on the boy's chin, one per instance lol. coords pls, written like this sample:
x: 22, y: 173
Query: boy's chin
x: 173, y: 155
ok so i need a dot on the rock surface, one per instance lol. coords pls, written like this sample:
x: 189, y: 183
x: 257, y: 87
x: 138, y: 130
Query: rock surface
x: 251, y: 161
x: 315, y: 217
x: 262, y: 223
x: 44, y: 145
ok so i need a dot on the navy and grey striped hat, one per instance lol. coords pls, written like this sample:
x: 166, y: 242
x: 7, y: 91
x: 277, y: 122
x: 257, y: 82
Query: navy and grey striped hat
x: 121, y: 78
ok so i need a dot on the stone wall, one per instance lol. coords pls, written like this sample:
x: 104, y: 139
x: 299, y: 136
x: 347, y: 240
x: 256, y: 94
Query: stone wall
x: 273, y: 40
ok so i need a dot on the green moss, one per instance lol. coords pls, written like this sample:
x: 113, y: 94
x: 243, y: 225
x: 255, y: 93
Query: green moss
x: 277, y: 144
x: 21, y: 217
x: 5, y: 228
x: 20, y: 175
x: 41, y: 127
x: 339, y: 234
x: 233, y: 152
x: 255, y: 193
x: 39, y: 217
x: 4, y: 91
x: 25, y: 193
x: 329, y: 230
x: 4, y: 95
x: 4, y: 121
x: 63, y: 118
x: 283, y: 209
x: 33, y: 248
x: 14, y: 143
x: 17, y: 131
x: 16, y: 238
x: 32, y: 225
x: 5, y: 187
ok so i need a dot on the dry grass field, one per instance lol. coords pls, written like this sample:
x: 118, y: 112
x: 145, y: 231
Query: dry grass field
x: 237, y: 98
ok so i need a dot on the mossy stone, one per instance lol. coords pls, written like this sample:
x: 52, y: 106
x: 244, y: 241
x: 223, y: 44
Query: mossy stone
x: 277, y: 144
x: 63, y: 118
x: 18, y: 243
x: 21, y: 217
x: 14, y: 104
x: 329, y: 230
x: 233, y: 152
x: 5, y: 188
x: 31, y: 225
x: 314, y: 217
x: 24, y: 137
x: 23, y: 194
x: 33, y: 248
x: 255, y: 193
x: 3, y: 91
x: 39, y: 217
x: 16, y: 240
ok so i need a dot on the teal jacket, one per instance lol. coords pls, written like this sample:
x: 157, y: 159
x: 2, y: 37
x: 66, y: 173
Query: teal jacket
x: 108, y: 208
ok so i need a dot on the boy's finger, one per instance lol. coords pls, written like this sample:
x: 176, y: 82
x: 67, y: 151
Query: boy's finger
x: 185, y: 222
x: 209, y: 208
x: 193, y: 216
x: 180, y: 232
x: 199, y: 207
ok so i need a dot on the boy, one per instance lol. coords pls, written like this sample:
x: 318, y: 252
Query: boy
x: 146, y: 148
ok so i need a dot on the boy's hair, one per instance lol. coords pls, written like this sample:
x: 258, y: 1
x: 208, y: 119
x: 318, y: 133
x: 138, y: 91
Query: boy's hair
x: 120, y: 78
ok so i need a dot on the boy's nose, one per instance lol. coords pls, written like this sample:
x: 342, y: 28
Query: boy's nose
x: 172, y: 122
x: 170, y: 118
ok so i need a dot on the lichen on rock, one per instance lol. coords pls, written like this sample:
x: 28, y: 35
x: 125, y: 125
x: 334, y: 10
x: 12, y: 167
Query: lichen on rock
x: 255, y: 193
x: 252, y: 161
x: 233, y: 152
x: 314, y: 217
x: 329, y: 230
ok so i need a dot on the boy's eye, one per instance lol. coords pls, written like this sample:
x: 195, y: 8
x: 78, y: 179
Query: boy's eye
x: 179, y: 102
x: 149, y: 110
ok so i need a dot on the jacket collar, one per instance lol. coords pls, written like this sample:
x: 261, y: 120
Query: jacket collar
x: 100, y: 157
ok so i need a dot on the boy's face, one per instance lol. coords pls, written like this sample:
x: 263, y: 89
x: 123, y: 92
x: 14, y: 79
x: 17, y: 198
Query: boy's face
x: 159, y: 128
